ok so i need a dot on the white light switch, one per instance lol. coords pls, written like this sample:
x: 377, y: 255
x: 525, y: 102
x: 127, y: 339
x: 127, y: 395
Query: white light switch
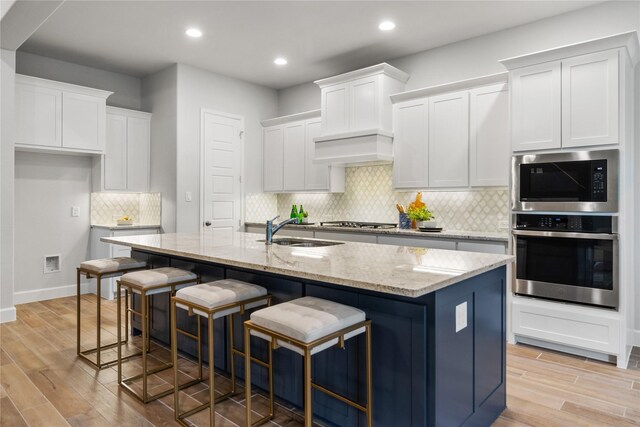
x: 187, y: 196
x: 461, y: 316
x: 75, y: 211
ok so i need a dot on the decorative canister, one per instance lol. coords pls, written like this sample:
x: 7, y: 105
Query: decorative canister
x: 404, y: 221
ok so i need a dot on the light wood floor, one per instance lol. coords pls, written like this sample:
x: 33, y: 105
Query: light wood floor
x: 42, y: 383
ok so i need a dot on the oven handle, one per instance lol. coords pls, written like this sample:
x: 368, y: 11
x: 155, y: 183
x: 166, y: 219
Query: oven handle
x: 567, y: 235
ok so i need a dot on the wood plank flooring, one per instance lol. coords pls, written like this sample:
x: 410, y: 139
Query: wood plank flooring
x: 42, y: 383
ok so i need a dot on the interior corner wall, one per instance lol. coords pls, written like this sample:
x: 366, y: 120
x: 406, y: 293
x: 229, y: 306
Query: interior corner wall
x: 197, y: 89
x: 7, y: 96
x: 126, y: 89
x: 159, y: 96
x: 480, y: 55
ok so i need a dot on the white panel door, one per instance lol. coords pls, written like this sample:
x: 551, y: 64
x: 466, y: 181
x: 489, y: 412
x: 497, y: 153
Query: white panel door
x: 294, y: 158
x: 222, y: 164
x: 316, y: 174
x: 535, y: 107
x: 83, y: 121
x: 449, y: 140
x: 335, y: 109
x: 489, y: 151
x: 138, y: 138
x: 410, y: 144
x: 38, y: 116
x: 115, y: 159
x: 364, y: 103
x: 273, y: 158
x: 590, y: 99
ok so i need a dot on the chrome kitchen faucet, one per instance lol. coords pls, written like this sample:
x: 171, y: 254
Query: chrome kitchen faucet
x: 271, y: 230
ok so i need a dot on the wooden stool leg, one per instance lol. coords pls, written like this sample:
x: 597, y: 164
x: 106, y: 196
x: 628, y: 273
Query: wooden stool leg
x: 212, y: 394
x: 247, y: 374
x: 308, y: 411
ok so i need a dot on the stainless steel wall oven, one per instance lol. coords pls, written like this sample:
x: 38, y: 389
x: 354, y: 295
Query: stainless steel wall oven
x: 579, y: 181
x: 567, y: 257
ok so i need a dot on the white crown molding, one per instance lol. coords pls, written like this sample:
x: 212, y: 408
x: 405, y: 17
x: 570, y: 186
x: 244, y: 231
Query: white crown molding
x: 313, y: 114
x: 383, y: 68
x: 66, y: 87
x: 127, y: 112
x: 450, y: 87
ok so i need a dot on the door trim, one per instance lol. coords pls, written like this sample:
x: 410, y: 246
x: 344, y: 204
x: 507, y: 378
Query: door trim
x: 204, y: 111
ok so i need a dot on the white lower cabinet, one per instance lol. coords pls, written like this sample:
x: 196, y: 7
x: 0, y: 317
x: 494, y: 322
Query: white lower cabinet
x: 290, y: 232
x: 106, y: 250
x: 346, y: 237
x: 587, y: 328
x: 482, y: 246
x: 417, y: 242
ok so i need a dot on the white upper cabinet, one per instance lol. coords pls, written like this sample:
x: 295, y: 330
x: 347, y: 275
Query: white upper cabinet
x: 127, y: 157
x: 38, y: 115
x: 364, y: 96
x: 335, y: 107
x: 83, y: 121
x: 56, y: 116
x: 489, y: 145
x: 410, y: 144
x: 573, y: 96
x: 273, y: 158
x: 294, y: 156
x: 536, y: 100
x: 590, y: 99
x: 289, y: 156
x: 449, y: 140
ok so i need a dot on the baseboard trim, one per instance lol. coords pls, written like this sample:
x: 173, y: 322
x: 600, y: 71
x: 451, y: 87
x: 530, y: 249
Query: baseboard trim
x: 25, y: 297
x: 7, y: 314
x: 636, y: 338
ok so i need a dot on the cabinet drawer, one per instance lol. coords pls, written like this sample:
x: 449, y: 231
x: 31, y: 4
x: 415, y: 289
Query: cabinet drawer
x: 486, y: 247
x: 134, y: 232
x: 347, y: 237
x: 418, y: 242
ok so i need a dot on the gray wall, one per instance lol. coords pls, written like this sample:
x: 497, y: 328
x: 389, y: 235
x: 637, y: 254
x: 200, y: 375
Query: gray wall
x: 127, y: 89
x: 479, y: 56
x: 197, y: 89
x: 7, y: 85
x: 46, y: 187
x: 159, y: 96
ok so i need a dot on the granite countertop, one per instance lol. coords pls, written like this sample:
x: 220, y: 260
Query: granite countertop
x: 397, y: 270
x: 502, y: 237
x: 134, y: 226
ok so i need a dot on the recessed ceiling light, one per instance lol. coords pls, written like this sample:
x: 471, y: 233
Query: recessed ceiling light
x: 386, y: 26
x: 280, y: 61
x: 193, y: 32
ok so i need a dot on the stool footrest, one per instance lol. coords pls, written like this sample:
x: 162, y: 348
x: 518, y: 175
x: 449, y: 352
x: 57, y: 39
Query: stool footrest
x: 339, y: 397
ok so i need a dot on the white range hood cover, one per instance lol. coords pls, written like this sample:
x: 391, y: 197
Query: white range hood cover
x: 358, y: 148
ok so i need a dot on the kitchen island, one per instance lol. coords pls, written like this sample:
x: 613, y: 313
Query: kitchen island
x: 438, y: 322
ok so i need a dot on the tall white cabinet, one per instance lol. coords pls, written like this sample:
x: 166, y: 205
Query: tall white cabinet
x: 126, y: 163
x: 60, y: 117
x: 452, y: 136
x: 289, y: 156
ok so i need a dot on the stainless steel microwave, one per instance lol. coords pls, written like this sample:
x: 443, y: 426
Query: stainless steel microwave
x: 577, y: 181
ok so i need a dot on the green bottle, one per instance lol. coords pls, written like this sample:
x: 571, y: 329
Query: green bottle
x: 300, y: 215
x: 294, y: 211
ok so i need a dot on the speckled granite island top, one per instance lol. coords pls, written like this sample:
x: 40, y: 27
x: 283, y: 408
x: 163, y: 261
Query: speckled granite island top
x: 398, y: 270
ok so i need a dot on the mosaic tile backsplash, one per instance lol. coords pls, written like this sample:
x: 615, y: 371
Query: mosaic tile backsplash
x: 144, y: 208
x: 369, y: 196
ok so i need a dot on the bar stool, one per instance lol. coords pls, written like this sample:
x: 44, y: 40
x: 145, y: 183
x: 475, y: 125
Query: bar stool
x: 213, y: 300
x: 147, y: 283
x: 308, y: 326
x: 100, y: 269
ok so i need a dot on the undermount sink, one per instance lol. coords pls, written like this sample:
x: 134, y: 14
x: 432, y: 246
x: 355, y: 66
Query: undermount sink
x: 303, y: 243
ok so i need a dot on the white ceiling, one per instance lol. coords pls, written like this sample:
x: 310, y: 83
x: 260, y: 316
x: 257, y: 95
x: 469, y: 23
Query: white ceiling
x: 241, y: 39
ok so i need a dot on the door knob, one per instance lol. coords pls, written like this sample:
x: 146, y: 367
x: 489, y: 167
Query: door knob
x: 207, y: 223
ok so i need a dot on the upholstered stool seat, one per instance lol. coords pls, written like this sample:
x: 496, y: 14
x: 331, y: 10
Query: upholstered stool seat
x: 308, y: 326
x: 213, y: 300
x: 100, y: 269
x: 306, y: 320
x: 147, y: 283
x: 111, y: 265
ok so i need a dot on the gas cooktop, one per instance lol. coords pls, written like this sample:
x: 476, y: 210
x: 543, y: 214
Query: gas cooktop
x: 357, y: 224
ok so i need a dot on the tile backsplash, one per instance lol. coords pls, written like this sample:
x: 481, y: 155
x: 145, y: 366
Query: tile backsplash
x: 369, y: 196
x: 144, y: 208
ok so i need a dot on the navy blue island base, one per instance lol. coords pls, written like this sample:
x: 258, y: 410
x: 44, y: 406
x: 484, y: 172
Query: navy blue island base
x: 425, y: 373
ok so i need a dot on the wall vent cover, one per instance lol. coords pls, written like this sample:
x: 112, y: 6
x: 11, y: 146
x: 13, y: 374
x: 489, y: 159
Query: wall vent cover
x: 51, y: 263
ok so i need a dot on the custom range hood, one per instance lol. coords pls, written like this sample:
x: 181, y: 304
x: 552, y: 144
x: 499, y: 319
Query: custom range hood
x: 357, y: 116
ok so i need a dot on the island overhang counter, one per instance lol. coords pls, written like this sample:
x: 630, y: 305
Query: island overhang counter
x: 438, y: 322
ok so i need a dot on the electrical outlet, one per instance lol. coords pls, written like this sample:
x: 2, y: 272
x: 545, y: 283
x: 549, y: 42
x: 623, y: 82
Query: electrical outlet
x: 75, y: 211
x: 187, y: 196
x: 461, y: 316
